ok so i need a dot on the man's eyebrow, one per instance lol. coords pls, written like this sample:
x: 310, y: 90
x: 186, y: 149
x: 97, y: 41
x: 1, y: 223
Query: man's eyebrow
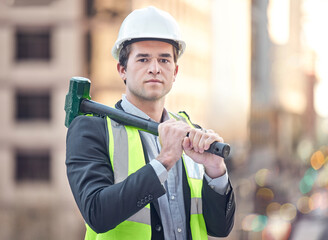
x: 142, y: 55
x: 166, y: 55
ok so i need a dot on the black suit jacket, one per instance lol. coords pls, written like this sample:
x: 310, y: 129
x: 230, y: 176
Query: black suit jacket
x: 104, y: 204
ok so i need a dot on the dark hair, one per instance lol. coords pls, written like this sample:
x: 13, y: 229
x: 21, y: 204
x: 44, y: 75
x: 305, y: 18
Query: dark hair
x: 126, y: 50
x: 124, y: 55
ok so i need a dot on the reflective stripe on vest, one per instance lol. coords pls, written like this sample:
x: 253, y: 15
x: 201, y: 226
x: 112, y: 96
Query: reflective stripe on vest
x: 120, y: 153
x: 126, y: 156
x: 197, y: 222
x: 195, y: 173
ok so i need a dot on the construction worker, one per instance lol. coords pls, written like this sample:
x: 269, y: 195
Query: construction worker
x: 130, y: 184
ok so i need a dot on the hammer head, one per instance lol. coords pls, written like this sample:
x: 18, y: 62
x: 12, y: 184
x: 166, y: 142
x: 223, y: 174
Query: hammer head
x: 79, y: 88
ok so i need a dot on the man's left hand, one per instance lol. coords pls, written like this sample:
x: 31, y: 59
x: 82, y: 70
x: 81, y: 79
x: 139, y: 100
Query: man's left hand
x: 195, y: 145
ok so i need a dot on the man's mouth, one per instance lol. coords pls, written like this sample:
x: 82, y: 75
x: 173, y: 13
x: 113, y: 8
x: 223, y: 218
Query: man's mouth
x: 153, y: 81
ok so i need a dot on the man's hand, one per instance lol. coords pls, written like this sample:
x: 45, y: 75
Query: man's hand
x: 174, y: 140
x: 171, y: 136
x: 195, y: 145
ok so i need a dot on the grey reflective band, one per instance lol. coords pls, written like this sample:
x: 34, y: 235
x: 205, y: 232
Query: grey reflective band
x: 178, y: 117
x: 121, y: 152
x: 143, y: 216
x: 121, y: 167
x: 194, y: 169
x: 196, y: 206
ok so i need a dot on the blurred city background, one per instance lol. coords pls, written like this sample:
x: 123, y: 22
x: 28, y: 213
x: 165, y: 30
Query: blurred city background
x: 254, y: 70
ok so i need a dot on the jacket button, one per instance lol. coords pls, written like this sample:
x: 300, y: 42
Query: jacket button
x: 139, y: 204
x: 150, y: 197
x: 158, y: 228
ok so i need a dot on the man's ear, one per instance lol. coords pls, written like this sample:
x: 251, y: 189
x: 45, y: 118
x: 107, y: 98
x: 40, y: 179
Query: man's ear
x: 176, y: 70
x: 121, y: 71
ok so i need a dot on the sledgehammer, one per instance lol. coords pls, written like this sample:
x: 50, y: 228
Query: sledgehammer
x: 78, y: 102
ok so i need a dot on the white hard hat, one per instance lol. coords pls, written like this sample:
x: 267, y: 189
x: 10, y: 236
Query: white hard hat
x: 146, y: 24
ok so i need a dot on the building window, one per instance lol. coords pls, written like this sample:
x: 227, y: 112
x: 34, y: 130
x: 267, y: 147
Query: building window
x: 90, y: 10
x: 88, y: 51
x: 32, y: 106
x: 33, y: 44
x: 27, y: 3
x: 32, y: 165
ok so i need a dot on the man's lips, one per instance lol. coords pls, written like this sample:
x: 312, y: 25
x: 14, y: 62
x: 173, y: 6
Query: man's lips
x: 154, y: 81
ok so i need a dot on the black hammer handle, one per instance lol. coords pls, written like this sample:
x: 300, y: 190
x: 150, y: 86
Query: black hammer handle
x: 89, y: 106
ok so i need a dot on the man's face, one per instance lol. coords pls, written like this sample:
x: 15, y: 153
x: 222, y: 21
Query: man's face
x: 150, y: 71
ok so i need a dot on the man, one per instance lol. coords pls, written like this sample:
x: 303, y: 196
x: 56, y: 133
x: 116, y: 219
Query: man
x: 130, y: 184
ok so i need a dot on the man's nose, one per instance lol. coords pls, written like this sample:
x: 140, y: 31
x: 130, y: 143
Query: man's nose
x: 154, y: 67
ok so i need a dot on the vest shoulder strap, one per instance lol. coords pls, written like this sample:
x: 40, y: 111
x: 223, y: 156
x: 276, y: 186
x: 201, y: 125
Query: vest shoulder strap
x: 183, y: 115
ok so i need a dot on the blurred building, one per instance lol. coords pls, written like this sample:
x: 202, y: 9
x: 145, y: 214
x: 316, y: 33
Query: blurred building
x: 229, y: 96
x: 283, y: 80
x: 282, y: 122
x: 41, y: 45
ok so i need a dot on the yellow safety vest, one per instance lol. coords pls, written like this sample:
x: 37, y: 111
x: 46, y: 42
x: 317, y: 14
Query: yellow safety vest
x: 127, y: 156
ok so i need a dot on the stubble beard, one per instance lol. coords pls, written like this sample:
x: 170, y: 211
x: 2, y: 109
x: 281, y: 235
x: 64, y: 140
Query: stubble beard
x: 148, y: 95
x: 144, y: 95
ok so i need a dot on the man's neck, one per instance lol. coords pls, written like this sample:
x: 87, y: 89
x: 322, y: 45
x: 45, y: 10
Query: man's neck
x: 154, y: 109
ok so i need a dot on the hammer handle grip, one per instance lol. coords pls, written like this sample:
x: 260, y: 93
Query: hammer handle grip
x: 89, y: 106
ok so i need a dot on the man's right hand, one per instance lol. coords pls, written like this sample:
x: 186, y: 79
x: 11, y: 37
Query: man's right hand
x: 171, y: 136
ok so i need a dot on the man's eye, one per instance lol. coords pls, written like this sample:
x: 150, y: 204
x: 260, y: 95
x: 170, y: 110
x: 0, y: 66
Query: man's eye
x: 164, y: 60
x: 142, y: 60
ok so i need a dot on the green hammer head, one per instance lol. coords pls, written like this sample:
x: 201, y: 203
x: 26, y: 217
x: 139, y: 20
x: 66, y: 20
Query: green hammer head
x: 79, y: 88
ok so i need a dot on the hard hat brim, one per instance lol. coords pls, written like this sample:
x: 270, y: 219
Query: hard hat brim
x: 179, y: 45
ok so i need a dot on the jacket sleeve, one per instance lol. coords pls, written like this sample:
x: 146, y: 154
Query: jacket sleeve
x: 102, y: 203
x: 218, y: 210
